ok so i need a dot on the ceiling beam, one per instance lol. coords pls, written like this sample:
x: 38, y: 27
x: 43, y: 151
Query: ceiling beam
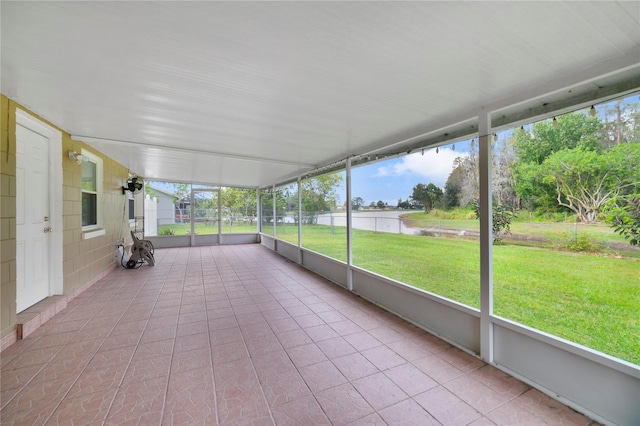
x: 90, y: 139
x: 567, y: 104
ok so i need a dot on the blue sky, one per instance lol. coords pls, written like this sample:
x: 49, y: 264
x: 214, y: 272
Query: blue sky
x: 389, y: 180
x: 393, y: 179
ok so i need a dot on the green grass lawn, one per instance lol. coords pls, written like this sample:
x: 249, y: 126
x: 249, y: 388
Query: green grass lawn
x: 548, y: 230
x: 590, y: 299
x: 206, y: 228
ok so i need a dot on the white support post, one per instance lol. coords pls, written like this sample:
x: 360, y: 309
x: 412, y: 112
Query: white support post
x: 349, y: 228
x: 192, y: 215
x: 274, y: 211
x: 486, y: 237
x: 258, y: 210
x: 299, y: 220
x: 219, y: 215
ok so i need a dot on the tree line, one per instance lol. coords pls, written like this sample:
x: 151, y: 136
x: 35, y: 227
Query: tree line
x: 576, y: 163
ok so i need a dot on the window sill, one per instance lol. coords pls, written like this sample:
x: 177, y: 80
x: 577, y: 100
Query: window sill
x: 92, y: 233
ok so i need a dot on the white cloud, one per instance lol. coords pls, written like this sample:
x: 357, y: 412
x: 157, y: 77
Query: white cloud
x: 433, y: 167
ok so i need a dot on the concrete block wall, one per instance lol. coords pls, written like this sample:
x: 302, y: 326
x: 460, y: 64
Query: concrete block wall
x: 84, y: 260
x: 7, y: 217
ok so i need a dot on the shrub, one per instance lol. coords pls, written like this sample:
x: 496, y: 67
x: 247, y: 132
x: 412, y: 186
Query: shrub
x: 623, y: 213
x: 502, y: 217
x: 455, y: 214
x: 539, y: 216
x: 501, y: 221
x: 166, y: 231
x: 580, y: 242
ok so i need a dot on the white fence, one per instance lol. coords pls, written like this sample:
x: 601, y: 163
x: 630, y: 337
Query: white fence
x: 150, y: 216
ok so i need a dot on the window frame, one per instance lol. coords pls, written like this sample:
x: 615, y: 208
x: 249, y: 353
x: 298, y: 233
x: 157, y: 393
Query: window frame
x: 97, y: 229
x: 131, y: 209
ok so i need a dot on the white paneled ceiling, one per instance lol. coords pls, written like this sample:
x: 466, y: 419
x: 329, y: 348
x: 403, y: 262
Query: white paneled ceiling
x: 253, y: 93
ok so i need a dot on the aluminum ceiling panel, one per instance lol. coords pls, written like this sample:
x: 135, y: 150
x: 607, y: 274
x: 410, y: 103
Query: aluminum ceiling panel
x: 305, y: 83
x: 196, y: 167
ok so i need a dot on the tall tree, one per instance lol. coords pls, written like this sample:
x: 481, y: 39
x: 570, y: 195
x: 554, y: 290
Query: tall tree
x: 452, y: 188
x: 502, y: 180
x: 469, y: 190
x: 182, y: 193
x: 239, y: 202
x: 266, y: 200
x: 621, y: 124
x: 569, y: 131
x: 409, y: 204
x: 356, y: 203
x: 289, y: 196
x: 533, y: 148
x: 320, y: 194
x: 286, y: 201
x: 585, y: 180
x: 427, y: 195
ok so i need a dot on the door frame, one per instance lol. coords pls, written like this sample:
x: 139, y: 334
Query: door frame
x: 54, y: 136
x: 193, y: 215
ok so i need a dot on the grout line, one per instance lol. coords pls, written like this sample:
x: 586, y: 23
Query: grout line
x: 246, y: 348
x: 213, y: 378
x: 53, y: 356
x: 92, y: 357
x: 175, y: 335
x: 108, y: 411
x: 289, y: 357
x: 239, y: 265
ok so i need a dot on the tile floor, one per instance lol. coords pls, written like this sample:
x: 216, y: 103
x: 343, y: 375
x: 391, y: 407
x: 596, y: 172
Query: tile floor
x: 237, y: 335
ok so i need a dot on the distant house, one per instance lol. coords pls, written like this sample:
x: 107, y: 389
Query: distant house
x: 166, y: 206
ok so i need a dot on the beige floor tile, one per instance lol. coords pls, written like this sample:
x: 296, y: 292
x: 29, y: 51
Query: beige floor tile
x: 235, y: 335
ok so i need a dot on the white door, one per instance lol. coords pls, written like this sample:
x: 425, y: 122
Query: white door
x: 33, y: 227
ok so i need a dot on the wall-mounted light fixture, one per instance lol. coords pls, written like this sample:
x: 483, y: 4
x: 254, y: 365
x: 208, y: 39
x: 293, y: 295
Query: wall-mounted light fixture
x: 554, y: 122
x: 132, y: 185
x: 592, y: 111
x: 78, y: 158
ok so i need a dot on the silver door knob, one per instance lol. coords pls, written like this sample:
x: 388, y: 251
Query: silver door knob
x: 48, y: 229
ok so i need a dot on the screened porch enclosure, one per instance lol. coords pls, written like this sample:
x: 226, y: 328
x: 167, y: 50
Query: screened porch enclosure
x: 417, y: 162
x: 330, y: 242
